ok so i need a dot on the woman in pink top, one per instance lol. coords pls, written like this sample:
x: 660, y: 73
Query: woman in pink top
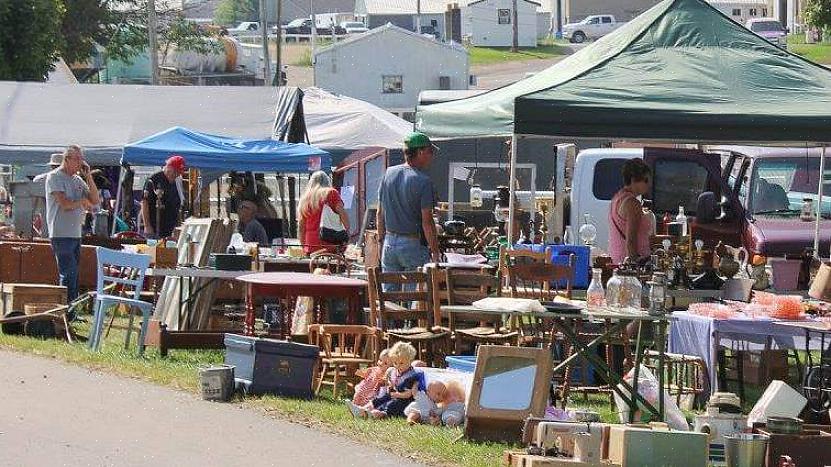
x: 629, y: 229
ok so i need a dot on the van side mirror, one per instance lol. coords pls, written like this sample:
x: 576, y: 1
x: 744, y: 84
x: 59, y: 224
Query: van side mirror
x: 706, y: 209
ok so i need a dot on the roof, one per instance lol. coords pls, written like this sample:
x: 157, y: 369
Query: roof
x: 769, y: 152
x: 391, y: 28
x: 681, y: 71
x: 738, y: 2
x: 403, y: 7
x: 538, y: 4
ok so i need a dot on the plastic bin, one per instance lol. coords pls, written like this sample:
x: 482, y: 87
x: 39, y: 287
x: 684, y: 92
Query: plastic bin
x: 559, y: 255
x: 785, y: 273
x: 268, y: 366
x: 464, y: 363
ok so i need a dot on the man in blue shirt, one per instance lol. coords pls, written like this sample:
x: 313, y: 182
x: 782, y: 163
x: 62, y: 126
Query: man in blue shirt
x: 405, y: 214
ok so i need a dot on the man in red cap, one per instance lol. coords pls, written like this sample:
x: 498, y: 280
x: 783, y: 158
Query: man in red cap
x: 162, y: 202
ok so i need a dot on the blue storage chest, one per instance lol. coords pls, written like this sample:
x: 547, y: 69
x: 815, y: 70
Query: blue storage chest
x: 269, y: 366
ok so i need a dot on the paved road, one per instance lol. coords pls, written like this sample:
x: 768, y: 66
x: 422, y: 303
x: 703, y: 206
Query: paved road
x: 53, y: 414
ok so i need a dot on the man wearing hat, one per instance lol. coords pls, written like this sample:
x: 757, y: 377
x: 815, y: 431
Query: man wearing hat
x: 405, y: 213
x: 70, y: 192
x: 161, y: 202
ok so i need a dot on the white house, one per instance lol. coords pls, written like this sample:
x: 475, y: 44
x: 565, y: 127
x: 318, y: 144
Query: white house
x: 490, y: 22
x: 404, y: 14
x: 389, y: 66
x: 742, y: 10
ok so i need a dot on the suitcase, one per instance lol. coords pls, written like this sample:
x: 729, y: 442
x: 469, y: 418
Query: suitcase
x: 269, y: 366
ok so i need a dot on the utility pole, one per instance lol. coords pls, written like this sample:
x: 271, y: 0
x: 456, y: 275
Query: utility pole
x: 418, y: 16
x: 152, y: 42
x: 266, y: 53
x: 313, y: 31
x: 278, y: 80
x: 514, y: 18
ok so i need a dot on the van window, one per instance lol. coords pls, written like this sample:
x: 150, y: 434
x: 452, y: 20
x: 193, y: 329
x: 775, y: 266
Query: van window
x: 607, y: 178
x: 678, y: 183
x: 607, y: 19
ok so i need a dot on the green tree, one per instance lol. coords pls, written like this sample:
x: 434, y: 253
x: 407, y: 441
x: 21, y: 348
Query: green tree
x: 818, y: 14
x: 85, y: 24
x: 233, y: 11
x: 29, y: 38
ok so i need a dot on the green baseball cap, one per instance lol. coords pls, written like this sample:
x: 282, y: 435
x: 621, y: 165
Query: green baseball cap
x: 417, y: 140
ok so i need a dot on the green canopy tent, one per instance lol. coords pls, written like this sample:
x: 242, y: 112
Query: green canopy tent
x: 681, y: 71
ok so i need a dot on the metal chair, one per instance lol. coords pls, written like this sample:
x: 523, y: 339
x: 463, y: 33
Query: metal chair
x: 126, y: 272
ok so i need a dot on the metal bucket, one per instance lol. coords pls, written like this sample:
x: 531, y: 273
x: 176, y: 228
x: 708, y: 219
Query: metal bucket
x: 217, y: 382
x: 745, y: 450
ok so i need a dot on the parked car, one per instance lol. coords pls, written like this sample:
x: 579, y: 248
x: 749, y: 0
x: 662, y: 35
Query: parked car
x: 353, y: 27
x: 769, y: 29
x: 304, y: 26
x: 244, y: 27
x: 592, y: 27
x: 758, y: 191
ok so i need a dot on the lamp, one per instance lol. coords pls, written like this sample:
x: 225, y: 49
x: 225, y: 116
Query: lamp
x: 657, y: 294
x: 475, y: 196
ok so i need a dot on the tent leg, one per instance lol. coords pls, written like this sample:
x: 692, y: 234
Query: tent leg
x: 117, y: 209
x: 819, y: 202
x: 512, y: 190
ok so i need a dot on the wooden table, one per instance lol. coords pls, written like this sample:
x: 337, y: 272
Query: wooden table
x: 617, y: 322
x: 290, y: 285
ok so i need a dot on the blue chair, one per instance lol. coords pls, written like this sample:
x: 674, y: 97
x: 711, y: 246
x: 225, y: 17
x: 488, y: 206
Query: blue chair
x: 120, y: 273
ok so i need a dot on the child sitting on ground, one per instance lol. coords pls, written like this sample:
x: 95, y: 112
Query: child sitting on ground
x: 374, y: 380
x: 440, y: 404
x: 403, y: 389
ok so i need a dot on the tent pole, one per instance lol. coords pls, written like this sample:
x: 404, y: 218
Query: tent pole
x: 819, y: 202
x: 512, y: 190
x: 117, y: 209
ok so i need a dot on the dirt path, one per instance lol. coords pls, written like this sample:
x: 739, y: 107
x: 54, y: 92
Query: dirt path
x: 55, y: 414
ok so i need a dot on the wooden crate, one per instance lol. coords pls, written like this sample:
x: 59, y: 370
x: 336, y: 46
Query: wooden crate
x: 16, y: 296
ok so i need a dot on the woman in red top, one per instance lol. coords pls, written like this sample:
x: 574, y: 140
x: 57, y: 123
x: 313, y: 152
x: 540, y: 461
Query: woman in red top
x: 318, y: 193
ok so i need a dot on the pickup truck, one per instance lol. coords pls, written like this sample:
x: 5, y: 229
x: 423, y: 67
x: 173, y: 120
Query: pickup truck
x: 769, y: 29
x: 591, y: 27
x: 244, y: 27
x: 758, y: 194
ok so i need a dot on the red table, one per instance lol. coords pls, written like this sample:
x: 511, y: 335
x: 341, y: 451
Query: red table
x: 290, y: 285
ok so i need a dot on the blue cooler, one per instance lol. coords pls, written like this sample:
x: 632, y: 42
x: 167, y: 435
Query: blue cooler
x: 559, y: 255
x: 269, y: 366
x: 464, y: 363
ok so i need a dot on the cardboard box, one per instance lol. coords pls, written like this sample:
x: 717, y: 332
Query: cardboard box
x: 636, y: 446
x: 778, y: 400
x: 13, y: 297
x: 162, y: 257
x: 762, y: 367
x: 811, y: 448
x: 521, y: 459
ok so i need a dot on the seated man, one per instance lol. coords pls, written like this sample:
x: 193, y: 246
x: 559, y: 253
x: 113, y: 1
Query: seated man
x: 249, y: 226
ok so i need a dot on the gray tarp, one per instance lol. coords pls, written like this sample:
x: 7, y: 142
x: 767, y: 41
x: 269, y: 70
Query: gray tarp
x: 37, y: 119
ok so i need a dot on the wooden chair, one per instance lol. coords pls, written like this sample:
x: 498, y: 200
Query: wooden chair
x: 333, y: 263
x: 343, y: 349
x: 126, y: 272
x: 406, y: 314
x: 509, y: 258
x: 684, y: 375
x: 455, y: 287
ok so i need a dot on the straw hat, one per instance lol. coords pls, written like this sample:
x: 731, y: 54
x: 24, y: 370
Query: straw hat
x: 56, y: 159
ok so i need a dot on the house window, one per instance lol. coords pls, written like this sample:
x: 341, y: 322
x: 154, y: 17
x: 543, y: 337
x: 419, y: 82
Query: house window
x: 737, y: 12
x: 765, y: 12
x: 752, y: 12
x: 392, y: 84
x: 504, y: 15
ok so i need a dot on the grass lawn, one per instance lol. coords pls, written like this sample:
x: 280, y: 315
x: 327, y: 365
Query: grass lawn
x: 491, y: 55
x: 819, y: 53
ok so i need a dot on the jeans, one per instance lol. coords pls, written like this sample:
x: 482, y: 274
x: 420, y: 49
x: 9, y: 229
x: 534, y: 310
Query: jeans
x: 402, y: 253
x: 68, y: 254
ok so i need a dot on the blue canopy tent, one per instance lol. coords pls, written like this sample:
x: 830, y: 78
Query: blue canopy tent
x: 216, y: 155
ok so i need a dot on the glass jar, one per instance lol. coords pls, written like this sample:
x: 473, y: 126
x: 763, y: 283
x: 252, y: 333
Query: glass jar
x: 595, y: 294
x: 475, y: 196
x: 631, y: 292
x: 588, y: 231
x: 613, y: 291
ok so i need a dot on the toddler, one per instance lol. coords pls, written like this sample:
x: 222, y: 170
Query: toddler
x: 374, y: 381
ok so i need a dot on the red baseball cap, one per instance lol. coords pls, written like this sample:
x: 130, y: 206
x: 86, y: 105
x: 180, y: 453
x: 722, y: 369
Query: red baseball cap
x: 176, y: 162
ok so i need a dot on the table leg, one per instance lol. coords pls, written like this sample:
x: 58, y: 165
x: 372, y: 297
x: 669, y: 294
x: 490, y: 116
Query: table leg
x: 633, y: 408
x: 249, y: 311
x: 660, y: 341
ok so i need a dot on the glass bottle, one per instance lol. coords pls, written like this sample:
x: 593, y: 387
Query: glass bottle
x: 631, y: 292
x: 588, y: 231
x: 681, y: 218
x: 595, y: 294
x: 807, y: 213
x: 613, y: 291
x: 475, y: 196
